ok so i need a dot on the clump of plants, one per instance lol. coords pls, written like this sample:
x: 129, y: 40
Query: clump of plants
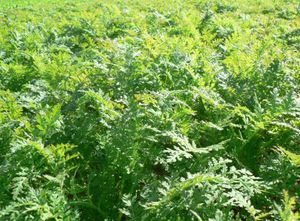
x: 156, y: 110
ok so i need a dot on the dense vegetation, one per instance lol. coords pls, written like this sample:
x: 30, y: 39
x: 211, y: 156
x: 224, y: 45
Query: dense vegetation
x: 150, y: 110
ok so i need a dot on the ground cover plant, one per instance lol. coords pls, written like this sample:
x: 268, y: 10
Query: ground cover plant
x: 150, y: 110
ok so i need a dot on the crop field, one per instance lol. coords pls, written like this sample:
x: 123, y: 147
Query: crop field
x: 120, y: 110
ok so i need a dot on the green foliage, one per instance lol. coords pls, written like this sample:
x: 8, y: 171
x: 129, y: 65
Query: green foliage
x: 287, y: 213
x: 153, y: 110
